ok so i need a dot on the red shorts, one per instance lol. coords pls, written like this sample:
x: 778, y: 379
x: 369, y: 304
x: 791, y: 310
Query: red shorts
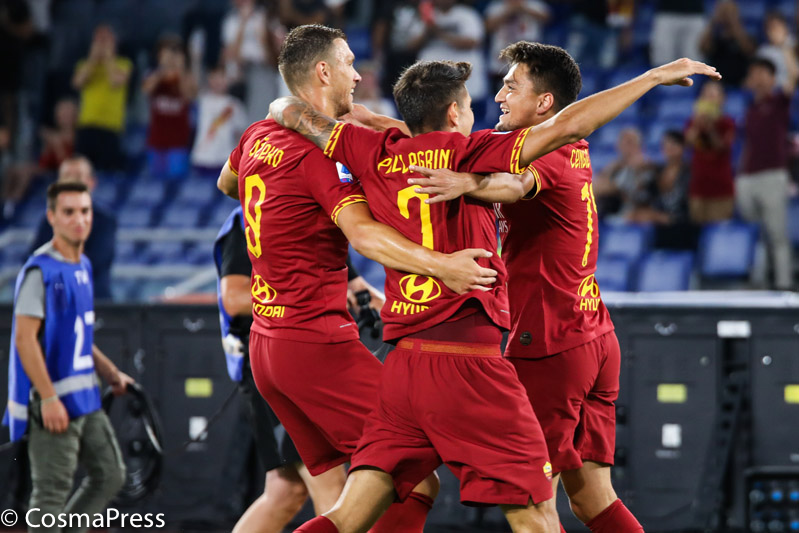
x: 321, y: 393
x: 573, y: 394
x: 459, y: 403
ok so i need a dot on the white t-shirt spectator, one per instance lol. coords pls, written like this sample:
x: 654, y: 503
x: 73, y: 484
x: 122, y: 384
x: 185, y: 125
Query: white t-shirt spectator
x: 776, y: 55
x: 252, y: 43
x: 220, y: 122
x: 523, y: 27
x: 465, y: 22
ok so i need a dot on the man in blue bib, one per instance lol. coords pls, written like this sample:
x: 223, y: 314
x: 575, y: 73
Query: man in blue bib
x: 53, y: 388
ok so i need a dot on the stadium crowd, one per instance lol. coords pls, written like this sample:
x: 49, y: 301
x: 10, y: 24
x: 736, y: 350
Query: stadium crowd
x: 166, y: 100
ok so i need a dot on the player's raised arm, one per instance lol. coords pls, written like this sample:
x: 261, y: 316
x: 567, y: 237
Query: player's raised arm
x: 581, y: 118
x: 459, y: 271
x: 228, y: 181
x: 294, y: 113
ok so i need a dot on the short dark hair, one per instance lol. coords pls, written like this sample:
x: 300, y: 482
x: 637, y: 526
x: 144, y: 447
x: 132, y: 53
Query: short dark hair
x: 55, y: 189
x: 676, y: 136
x: 426, y: 89
x: 303, y: 48
x: 551, y: 69
x: 767, y: 64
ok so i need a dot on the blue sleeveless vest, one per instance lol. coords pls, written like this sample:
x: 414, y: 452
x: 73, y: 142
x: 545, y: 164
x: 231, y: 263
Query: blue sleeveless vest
x: 67, y: 340
x: 231, y: 344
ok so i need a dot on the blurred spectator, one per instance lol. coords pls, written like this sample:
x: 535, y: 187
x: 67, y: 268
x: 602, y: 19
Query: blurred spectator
x: 58, y: 145
x: 396, y: 25
x: 726, y: 44
x: 780, y: 44
x: 711, y: 135
x: 171, y: 89
x: 368, y: 92
x: 102, y: 80
x: 250, y: 38
x: 509, y: 21
x: 16, y: 28
x: 454, y: 32
x: 220, y: 122
x: 621, y: 186
x: 295, y: 13
x: 664, y: 200
x: 59, y: 141
x: 762, y: 186
x: 102, y: 239
x: 676, y: 30
x: 202, y: 18
x: 592, y: 42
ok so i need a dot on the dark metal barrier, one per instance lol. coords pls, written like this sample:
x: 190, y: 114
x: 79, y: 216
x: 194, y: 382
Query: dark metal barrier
x: 709, y: 390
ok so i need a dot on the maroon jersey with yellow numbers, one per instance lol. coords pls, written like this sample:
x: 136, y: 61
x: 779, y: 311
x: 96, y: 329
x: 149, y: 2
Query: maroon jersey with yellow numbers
x: 549, y: 244
x: 380, y: 161
x: 291, y: 195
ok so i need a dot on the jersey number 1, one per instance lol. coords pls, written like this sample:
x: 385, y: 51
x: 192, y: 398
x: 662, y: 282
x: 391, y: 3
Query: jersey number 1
x: 587, y: 196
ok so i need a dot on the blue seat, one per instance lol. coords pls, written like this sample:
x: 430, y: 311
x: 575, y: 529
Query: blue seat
x: 793, y: 222
x: 161, y: 252
x: 727, y: 250
x: 735, y: 105
x: 675, y: 109
x: 614, y: 273
x: 180, y: 217
x: 135, y: 217
x: 197, y: 192
x: 199, y: 254
x: 665, y: 271
x: 630, y: 241
x: 146, y: 193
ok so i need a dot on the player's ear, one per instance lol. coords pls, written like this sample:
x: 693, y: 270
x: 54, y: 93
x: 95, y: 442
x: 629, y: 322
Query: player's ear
x: 545, y: 103
x: 51, y: 217
x: 453, y: 115
x: 323, y: 72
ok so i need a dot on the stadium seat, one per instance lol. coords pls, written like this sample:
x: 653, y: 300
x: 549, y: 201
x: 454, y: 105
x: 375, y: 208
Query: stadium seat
x: 727, y: 250
x: 630, y: 241
x: 614, y: 273
x: 135, y: 217
x: 665, y: 271
x: 180, y: 216
x: 793, y: 222
x: 735, y: 105
x: 675, y: 109
x: 105, y: 193
x: 146, y: 193
x: 197, y: 192
x: 161, y: 252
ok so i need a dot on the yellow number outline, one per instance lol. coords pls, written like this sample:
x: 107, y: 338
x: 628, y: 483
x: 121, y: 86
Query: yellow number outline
x: 587, y: 196
x: 404, y: 197
x: 253, y: 232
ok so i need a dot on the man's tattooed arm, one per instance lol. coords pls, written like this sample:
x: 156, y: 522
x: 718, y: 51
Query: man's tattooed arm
x: 295, y: 113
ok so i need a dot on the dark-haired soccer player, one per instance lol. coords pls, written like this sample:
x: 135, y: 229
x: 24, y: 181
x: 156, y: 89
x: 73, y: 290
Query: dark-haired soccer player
x: 446, y: 394
x: 562, y: 341
x: 299, y: 211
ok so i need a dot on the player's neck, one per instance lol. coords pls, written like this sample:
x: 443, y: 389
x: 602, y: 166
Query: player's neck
x: 318, y: 98
x: 70, y: 251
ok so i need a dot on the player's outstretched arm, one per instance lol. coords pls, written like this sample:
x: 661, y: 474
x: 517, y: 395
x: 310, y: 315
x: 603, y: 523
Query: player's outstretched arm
x: 458, y: 271
x: 296, y: 114
x: 443, y: 185
x: 366, y: 117
x: 581, y: 118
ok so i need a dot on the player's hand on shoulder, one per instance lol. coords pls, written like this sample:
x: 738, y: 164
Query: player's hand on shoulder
x: 443, y: 184
x: 679, y: 72
x: 55, y: 418
x: 462, y: 273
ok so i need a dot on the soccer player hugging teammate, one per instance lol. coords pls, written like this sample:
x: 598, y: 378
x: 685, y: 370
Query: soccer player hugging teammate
x: 440, y: 395
x: 561, y: 342
x: 299, y: 212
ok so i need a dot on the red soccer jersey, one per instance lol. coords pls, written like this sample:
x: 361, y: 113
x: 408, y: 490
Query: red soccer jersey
x: 380, y: 161
x: 549, y: 244
x: 291, y: 195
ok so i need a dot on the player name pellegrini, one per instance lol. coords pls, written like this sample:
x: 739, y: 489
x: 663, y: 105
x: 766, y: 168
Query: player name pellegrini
x: 438, y: 158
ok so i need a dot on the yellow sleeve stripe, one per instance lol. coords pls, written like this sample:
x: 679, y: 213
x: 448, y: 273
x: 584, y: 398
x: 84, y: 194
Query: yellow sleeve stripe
x: 537, y: 178
x: 517, y: 152
x: 233, y: 170
x: 330, y: 147
x: 349, y: 200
